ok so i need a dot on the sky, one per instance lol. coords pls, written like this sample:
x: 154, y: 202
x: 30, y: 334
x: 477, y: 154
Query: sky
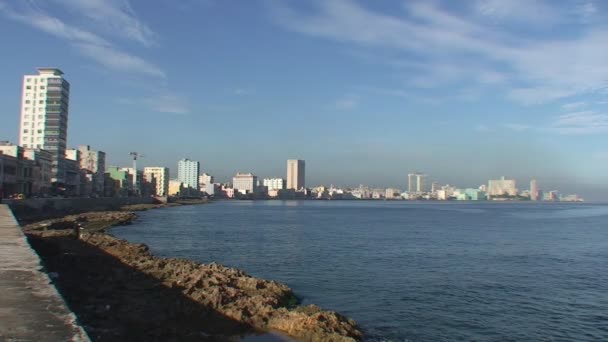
x: 364, y: 91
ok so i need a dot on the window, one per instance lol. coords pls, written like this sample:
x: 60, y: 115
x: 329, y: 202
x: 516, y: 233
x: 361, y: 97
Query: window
x: 39, y: 146
x: 28, y: 87
x: 41, y: 101
x: 25, y: 145
x: 41, y: 87
x: 26, y: 116
x: 28, y: 79
x: 39, y: 116
x: 27, y: 101
x: 39, y: 131
x: 25, y: 131
x: 26, y: 123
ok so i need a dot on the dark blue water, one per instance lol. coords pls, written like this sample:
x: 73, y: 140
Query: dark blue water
x: 410, y: 271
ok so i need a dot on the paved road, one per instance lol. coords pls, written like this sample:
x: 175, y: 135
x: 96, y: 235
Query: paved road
x: 30, y: 307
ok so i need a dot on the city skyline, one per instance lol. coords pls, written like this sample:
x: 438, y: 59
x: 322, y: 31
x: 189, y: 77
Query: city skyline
x: 362, y: 109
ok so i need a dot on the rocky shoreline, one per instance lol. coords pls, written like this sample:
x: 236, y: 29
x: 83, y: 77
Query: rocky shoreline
x: 120, y: 291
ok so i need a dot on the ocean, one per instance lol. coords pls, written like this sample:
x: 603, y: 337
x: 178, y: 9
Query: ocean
x: 412, y: 271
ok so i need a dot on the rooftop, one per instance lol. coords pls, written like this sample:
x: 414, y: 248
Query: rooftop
x: 51, y: 71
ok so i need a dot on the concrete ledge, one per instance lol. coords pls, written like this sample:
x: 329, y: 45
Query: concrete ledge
x: 31, y: 309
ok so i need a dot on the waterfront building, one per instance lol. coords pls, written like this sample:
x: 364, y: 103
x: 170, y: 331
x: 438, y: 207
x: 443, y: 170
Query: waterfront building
x: 502, y: 187
x: 175, y: 187
x: 434, y: 187
x: 205, y: 179
x: 534, y: 191
x: 18, y: 175
x: 274, y: 184
x: 392, y: 193
x: 552, y: 196
x: 118, y: 182
x: 188, y: 172
x: 474, y: 194
x: 158, y: 177
x: 140, y: 183
x: 296, y: 174
x: 212, y: 189
x: 44, y: 161
x: 94, y: 163
x: 417, y: 183
x: 44, y: 116
x: 73, y: 181
x: 244, y: 182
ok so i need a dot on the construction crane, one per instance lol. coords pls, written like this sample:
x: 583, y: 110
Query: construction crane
x: 135, y: 155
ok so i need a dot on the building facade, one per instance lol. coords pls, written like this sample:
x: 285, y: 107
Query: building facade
x: 534, y: 190
x: 274, y: 183
x: 244, y: 183
x: 44, y: 116
x: 205, y: 179
x: 159, y: 178
x: 296, y: 174
x: 417, y: 183
x: 502, y: 187
x: 94, y: 163
x: 187, y: 173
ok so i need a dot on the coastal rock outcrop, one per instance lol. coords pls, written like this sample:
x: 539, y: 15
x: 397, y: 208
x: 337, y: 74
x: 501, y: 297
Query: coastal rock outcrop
x: 262, y: 304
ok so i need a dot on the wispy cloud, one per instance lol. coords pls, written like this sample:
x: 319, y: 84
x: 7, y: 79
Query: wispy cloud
x: 162, y: 103
x: 583, y: 122
x: 346, y: 102
x: 85, y: 41
x: 115, y: 17
x: 532, y: 69
x: 573, y: 105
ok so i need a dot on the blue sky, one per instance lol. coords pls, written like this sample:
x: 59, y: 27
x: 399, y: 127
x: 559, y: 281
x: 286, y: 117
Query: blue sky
x: 364, y: 91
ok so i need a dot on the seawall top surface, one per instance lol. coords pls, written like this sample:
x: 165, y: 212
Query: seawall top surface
x: 31, y: 309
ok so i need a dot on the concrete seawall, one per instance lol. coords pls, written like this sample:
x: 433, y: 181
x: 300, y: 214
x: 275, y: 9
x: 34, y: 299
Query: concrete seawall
x: 34, y: 209
x: 31, y: 309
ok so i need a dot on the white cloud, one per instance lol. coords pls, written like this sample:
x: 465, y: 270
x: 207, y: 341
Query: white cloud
x: 162, y: 103
x: 119, y: 60
x: 115, y: 17
x: 537, y: 70
x: 583, y: 122
x: 86, y: 42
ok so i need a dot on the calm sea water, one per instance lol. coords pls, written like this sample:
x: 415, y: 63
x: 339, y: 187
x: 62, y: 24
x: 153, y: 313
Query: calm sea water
x: 409, y: 271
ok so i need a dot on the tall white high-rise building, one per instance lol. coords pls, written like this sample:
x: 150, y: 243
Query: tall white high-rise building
x: 159, y: 176
x: 44, y: 116
x: 534, y: 191
x: 417, y: 183
x: 187, y: 173
x: 296, y: 174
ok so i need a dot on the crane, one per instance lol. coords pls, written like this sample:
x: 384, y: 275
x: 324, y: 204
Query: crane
x: 135, y: 155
